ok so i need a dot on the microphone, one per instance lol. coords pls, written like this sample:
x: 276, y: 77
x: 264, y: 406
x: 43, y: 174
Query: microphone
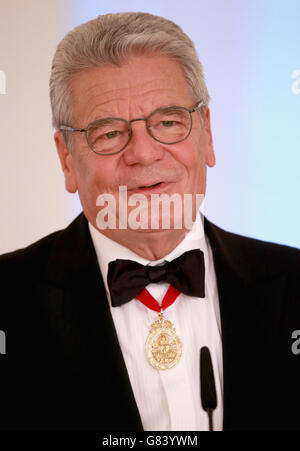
x: 207, y: 385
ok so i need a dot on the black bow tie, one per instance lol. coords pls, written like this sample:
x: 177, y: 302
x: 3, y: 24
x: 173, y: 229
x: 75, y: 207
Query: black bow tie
x: 127, y: 278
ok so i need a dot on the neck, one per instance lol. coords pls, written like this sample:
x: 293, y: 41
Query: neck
x: 151, y: 245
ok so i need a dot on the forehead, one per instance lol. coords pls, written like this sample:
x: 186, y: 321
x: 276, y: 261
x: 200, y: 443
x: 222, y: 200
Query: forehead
x: 141, y: 85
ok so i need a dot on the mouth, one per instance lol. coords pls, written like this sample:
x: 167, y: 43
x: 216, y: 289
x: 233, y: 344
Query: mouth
x: 158, y: 187
x: 150, y: 186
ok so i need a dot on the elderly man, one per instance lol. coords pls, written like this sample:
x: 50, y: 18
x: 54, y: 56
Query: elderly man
x: 105, y: 320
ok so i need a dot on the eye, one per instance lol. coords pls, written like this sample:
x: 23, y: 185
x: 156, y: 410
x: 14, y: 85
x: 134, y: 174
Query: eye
x: 112, y: 134
x: 169, y: 118
x: 168, y: 123
x: 100, y: 134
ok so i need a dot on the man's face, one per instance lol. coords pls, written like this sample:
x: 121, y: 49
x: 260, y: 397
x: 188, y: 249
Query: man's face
x: 134, y: 90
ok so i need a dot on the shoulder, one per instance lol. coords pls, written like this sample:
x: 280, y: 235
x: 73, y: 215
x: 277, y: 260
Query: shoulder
x: 32, y: 255
x: 35, y: 257
x: 256, y: 256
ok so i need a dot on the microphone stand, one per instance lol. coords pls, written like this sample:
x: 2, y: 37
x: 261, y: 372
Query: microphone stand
x: 210, y: 419
x: 207, y: 385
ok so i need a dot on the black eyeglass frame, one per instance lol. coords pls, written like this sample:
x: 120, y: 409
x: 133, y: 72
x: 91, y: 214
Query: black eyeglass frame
x: 198, y: 107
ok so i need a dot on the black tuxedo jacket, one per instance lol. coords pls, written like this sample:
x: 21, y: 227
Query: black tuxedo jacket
x: 63, y: 367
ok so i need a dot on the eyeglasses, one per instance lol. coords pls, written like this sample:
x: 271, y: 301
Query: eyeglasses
x: 110, y: 135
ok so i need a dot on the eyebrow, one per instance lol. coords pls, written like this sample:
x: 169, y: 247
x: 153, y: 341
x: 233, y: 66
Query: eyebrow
x: 104, y: 120
x: 172, y: 109
x: 169, y: 108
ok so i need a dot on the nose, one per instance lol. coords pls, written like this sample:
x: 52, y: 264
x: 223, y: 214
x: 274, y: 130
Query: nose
x: 142, y: 148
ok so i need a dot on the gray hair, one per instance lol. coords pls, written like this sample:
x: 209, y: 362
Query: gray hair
x: 111, y: 39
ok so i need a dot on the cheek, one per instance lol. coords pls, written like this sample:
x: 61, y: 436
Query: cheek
x: 199, y: 153
x: 195, y: 165
x: 193, y: 159
x: 94, y: 176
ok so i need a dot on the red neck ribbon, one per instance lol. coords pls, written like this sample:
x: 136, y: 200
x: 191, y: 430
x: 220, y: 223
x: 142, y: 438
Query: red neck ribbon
x: 145, y: 298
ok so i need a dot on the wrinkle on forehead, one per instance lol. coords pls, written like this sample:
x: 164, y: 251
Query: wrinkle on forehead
x: 132, y: 90
x: 115, y: 107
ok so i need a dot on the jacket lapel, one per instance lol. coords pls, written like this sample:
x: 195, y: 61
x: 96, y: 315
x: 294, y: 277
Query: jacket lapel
x: 251, y: 295
x: 75, y: 300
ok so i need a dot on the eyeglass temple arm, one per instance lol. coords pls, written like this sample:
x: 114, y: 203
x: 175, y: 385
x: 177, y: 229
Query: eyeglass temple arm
x: 66, y: 127
x: 199, y: 106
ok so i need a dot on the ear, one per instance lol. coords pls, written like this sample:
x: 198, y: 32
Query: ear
x: 210, y: 158
x: 67, y: 162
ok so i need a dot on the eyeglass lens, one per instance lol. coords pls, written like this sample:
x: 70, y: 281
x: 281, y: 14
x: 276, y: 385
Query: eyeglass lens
x: 168, y: 125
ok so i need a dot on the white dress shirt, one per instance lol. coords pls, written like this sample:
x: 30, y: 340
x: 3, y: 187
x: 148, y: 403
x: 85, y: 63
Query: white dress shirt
x: 169, y: 400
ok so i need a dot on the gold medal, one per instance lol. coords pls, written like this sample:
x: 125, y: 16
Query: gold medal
x: 163, y: 346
